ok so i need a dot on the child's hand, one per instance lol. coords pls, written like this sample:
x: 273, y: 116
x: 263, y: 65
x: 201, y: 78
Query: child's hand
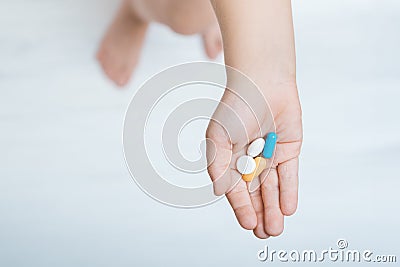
x: 261, y: 209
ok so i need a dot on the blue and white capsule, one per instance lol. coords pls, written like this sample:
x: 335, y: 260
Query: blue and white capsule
x: 269, y: 147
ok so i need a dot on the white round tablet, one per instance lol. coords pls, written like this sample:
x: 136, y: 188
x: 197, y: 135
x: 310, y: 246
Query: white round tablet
x: 256, y: 147
x: 245, y: 165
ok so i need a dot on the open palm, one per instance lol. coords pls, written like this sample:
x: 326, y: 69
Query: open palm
x: 262, y: 204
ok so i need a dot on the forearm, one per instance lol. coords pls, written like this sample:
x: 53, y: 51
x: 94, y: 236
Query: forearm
x: 258, y: 38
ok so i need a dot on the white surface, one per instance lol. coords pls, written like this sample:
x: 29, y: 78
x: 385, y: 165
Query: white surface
x: 66, y: 198
x: 245, y: 165
x: 256, y: 147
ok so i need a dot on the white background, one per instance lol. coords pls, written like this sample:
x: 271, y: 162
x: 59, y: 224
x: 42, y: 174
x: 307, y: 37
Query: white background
x: 66, y: 198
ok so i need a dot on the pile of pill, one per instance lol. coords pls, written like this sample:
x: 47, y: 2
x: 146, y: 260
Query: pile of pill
x: 252, y: 164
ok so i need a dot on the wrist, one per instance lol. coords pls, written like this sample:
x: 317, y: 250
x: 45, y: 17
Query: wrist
x: 267, y: 76
x: 266, y: 68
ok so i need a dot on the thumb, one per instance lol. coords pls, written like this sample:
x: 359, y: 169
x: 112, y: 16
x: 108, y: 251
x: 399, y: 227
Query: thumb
x: 219, y: 155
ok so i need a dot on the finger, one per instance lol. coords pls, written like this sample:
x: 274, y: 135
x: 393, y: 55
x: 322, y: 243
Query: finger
x: 288, y: 186
x: 273, y: 217
x: 240, y: 201
x: 256, y: 200
x: 219, y: 154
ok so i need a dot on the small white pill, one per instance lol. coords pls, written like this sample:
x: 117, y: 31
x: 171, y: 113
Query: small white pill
x: 256, y: 147
x: 246, y: 165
